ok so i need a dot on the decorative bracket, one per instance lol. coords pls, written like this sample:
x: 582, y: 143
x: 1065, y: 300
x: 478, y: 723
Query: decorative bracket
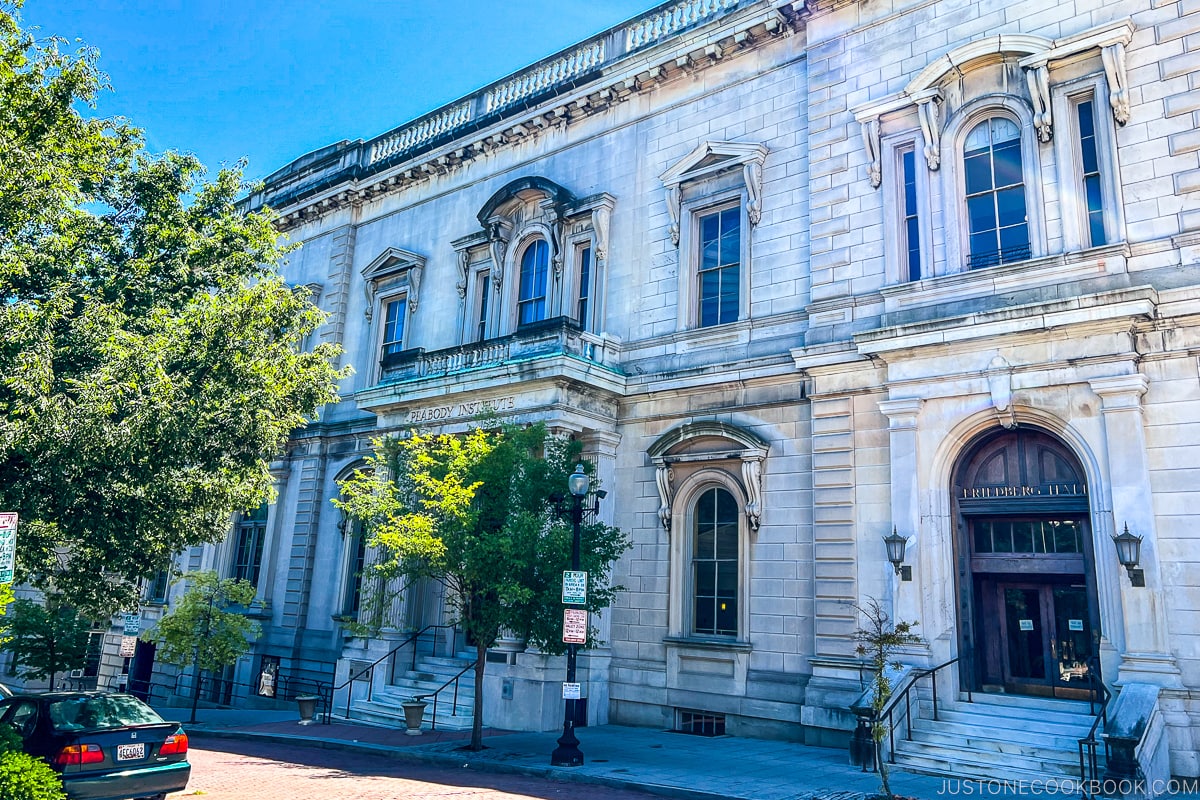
x: 674, y: 202
x: 1038, y: 78
x: 999, y: 379
x: 1113, y: 56
x: 752, y: 174
x: 752, y: 478
x: 600, y: 218
x: 464, y: 260
x: 929, y: 112
x: 870, y: 137
x: 663, y: 476
x: 498, y: 231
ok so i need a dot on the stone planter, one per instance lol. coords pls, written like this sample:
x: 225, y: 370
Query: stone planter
x: 414, y: 714
x: 308, y: 708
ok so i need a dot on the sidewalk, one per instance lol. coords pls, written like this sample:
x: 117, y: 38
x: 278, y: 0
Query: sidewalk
x: 663, y: 763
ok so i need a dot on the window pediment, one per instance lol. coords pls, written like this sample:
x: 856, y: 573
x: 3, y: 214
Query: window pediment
x: 391, y: 265
x: 709, y: 159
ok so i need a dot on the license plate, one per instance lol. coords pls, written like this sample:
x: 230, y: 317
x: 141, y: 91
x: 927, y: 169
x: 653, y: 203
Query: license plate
x: 131, y: 752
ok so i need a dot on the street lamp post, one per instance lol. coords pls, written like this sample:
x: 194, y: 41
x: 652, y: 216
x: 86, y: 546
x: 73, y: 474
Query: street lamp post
x: 568, y: 754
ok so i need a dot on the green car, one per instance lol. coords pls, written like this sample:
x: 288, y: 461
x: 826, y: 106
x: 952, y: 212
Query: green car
x: 105, y: 746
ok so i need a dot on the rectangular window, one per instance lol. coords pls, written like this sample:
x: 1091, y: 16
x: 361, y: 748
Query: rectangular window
x: 719, y: 268
x: 354, y: 580
x: 248, y: 552
x: 585, y: 281
x: 156, y: 587
x: 483, y: 280
x: 393, y: 326
x: 911, y: 227
x: 1093, y: 197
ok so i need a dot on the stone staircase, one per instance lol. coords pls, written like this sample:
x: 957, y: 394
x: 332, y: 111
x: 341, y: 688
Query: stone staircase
x: 1000, y: 737
x: 385, y: 706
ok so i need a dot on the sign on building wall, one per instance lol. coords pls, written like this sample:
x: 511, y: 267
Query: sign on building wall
x: 8, y: 545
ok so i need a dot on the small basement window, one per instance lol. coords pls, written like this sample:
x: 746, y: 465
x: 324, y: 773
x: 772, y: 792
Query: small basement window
x: 699, y: 723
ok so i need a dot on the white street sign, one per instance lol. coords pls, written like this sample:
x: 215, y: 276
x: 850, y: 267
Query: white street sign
x: 571, y: 691
x: 574, y: 590
x: 128, y: 646
x: 8, y: 545
x: 575, y: 626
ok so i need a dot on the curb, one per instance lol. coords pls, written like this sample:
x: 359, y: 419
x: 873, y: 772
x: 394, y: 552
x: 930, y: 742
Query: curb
x: 467, y: 761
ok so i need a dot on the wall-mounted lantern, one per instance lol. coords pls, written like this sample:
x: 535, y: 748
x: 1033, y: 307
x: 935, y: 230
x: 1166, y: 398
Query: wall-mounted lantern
x: 895, y: 544
x: 1129, y: 553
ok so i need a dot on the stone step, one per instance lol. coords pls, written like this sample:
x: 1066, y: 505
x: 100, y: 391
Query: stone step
x: 393, y: 716
x: 397, y: 693
x: 1046, y: 722
x: 1015, y: 701
x: 962, y: 763
x: 1031, y: 744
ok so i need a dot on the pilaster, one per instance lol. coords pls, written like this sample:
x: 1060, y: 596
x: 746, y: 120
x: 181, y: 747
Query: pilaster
x: 902, y: 414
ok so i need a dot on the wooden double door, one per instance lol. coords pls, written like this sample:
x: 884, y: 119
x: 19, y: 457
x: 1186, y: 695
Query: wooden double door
x: 1037, y: 634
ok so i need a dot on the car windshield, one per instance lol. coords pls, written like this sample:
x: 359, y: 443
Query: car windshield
x: 97, y: 712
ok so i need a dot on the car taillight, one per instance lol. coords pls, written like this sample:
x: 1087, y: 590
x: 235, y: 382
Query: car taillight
x: 77, y: 754
x: 175, y: 744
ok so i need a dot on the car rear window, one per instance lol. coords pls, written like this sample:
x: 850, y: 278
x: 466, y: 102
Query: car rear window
x: 99, y: 712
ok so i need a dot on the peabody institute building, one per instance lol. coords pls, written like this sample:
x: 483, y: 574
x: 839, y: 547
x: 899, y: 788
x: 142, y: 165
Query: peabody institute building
x: 798, y: 275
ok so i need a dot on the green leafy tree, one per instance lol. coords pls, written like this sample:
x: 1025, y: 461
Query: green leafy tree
x: 206, y: 629
x: 45, y: 639
x: 151, y: 356
x: 480, y: 513
x: 878, y: 640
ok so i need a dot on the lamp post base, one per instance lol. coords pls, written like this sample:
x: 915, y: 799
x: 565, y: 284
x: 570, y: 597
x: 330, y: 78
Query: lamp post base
x: 567, y: 754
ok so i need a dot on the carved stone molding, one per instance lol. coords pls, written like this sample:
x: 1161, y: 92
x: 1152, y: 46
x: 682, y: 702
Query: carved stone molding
x: 390, y: 266
x: 752, y: 478
x: 711, y: 158
x: 662, y: 475
x: 870, y: 137
x: 498, y: 232
x: 1113, y: 56
x: 929, y: 112
x: 999, y: 380
x: 600, y: 219
x: 1038, y: 79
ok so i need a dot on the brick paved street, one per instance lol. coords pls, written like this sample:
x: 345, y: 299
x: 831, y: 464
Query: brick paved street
x: 266, y: 771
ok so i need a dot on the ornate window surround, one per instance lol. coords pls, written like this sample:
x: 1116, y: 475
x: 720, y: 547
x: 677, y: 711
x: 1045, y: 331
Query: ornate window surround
x: 521, y: 211
x: 393, y: 269
x: 893, y: 149
x: 702, y: 182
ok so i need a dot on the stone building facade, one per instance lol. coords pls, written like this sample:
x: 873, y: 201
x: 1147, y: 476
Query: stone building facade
x: 797, y: 275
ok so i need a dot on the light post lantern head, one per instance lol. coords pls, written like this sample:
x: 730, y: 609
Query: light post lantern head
x: 895, y: 544
x: 579, y: 482
x: 1129, y: 553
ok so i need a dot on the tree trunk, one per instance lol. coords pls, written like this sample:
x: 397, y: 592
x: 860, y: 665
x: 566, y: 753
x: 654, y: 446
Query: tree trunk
x: 477, y: 721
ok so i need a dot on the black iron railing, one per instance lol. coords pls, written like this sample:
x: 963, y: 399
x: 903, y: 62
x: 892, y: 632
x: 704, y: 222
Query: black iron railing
x: 429, y: 632
x: 437, y: 692
x: 902, y: 699
x: 1089, y: 746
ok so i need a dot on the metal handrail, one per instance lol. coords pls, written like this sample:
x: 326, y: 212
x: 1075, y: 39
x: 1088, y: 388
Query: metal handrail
x: 890, y: 707
x: 413, y: 639
x: 1089, y: 763
x: 436, y: 692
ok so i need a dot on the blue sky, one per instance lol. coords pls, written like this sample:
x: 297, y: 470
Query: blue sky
x: 270, y: 80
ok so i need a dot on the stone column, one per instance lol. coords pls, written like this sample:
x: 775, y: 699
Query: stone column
x: 906, y: 517
x: 1146, y: 657
x: 280, y: 470
x: 600, y: 447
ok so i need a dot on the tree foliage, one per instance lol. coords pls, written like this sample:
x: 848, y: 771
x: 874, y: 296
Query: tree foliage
x: 150, y: 353
x: 206, y: 628
x: 480, y: 513
x: 45, y: 639
x: 878, y: 640
x: 23, y: 777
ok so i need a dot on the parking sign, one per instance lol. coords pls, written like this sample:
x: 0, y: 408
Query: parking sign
x: 8, y: 545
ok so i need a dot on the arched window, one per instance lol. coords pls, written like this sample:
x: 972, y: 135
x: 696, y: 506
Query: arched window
x: 531, y: 297
x: 995, y: 192
x: 715, y: 564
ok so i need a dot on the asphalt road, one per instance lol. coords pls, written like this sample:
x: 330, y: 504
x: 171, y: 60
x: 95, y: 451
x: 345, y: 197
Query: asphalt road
x: 265, y: 771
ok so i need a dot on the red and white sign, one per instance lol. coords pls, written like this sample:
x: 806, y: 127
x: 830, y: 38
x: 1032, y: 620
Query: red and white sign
x: 575, y: 626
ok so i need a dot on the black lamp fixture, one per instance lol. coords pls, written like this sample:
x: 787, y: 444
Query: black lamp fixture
x: 895, y: 544
x: 1129, y: 553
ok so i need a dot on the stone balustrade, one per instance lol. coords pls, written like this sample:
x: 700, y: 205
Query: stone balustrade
x: 421, y: 131
x: 679, y: 16
x: 550, y: 338
x: 545, y: 76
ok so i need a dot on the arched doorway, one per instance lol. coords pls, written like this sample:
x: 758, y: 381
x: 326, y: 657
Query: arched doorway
x: 1028, y: 611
